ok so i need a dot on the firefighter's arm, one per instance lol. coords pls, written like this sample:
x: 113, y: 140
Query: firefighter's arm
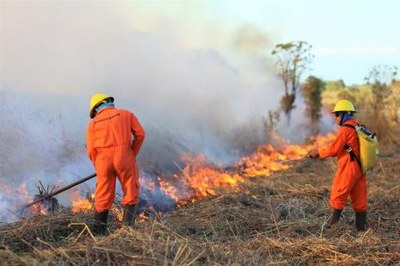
x: 339, y: 142
x: 91, y: 151
x: 138, y: 134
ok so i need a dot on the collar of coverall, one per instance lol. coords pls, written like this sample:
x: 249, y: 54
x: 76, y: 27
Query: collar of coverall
x: 345, y: 117
x: 104, y: 105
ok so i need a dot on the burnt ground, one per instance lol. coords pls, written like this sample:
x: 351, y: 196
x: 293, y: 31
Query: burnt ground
x: 277, y: 219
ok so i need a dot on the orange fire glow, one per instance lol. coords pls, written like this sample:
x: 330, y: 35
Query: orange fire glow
x: 196, y: 179
x: 205, y: 179
x: 81, y: 205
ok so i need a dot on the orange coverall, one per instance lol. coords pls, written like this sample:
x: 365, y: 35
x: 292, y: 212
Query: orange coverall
x: 348, y: 179
x: 113, y: 153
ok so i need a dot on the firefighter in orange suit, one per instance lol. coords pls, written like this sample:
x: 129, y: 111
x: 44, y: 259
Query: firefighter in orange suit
x: 349, y: 179
x: 114, y: 138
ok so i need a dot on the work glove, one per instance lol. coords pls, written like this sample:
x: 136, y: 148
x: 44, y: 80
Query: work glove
x: 313, y: 154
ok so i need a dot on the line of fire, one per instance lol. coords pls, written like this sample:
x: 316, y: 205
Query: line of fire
x: 195, y: 179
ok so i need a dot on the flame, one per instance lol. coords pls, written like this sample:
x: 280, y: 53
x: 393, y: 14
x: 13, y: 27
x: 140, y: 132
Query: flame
x: 199, y: 178
x: 205, y: 180
x: 168, y: 189
x: 81, y: 205
x: 17, y: 198
x: 38, y: 209
x: 196, y: 179
x: 267, y: 159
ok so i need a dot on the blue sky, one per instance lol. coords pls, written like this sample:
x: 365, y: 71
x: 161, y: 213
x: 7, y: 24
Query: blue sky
x: 348, y: 37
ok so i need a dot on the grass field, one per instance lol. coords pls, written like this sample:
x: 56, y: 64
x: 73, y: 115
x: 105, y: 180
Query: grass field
x: 276, y: 219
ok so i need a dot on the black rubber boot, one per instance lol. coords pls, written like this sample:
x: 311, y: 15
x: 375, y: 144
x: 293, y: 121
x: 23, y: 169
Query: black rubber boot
x: 129, y: 215
x: 361, y: 221
x: 334, y: 217
x: 100, y: 223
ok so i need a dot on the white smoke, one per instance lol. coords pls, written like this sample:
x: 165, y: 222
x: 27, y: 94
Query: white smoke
x: 55, y: 55
x: 191, y: 96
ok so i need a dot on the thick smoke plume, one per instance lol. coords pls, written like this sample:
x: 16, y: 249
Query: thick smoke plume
x: 190, y: 99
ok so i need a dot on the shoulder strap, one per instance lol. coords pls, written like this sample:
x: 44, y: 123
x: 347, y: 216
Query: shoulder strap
x: 350, y: 150
x: 347, y: 125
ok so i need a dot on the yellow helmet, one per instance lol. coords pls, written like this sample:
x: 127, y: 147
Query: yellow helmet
x: 96, y: 100
x: 344, y: 106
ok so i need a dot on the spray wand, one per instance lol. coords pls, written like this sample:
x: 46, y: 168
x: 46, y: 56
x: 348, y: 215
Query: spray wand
x: 286, y: 161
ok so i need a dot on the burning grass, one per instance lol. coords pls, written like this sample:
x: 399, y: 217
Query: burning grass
x: 277, y: 219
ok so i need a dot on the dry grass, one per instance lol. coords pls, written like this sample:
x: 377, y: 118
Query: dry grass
x: 273, y: 220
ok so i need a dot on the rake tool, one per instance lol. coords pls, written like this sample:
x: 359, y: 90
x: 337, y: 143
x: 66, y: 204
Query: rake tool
x: 48, y: 196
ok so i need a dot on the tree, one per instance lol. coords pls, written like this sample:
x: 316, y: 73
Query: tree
x: 394, y: 103
x: 335, y: 85
x: 311, y: 91
x: 381, y: 77
x: 292, y: 59
x: 271, y: 122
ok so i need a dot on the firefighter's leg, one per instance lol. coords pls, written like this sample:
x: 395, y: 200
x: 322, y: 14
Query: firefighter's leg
x: 129, y: 215
x: 361, y: 221
x: 104, y: 194
x: 334, y: 216
x: 337, y: 201
x: 358, y: 197
x: 128, y: 175
x: 100, y: 222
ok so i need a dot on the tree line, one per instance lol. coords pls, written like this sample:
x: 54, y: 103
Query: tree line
x: 378, y: 100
